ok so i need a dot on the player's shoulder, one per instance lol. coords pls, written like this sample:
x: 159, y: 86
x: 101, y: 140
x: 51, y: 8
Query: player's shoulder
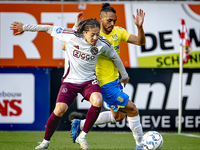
x: 59, y: 30
x: 121, y: 32
x: 118, y: 28
x: 104, y: 41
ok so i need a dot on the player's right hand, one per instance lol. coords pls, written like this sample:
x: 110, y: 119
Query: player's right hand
x: 139, y: 18
x: 125, y: 81
x: 17, y: 26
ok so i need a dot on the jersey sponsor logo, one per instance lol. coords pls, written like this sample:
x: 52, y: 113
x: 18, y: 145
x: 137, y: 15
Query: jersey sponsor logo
x: 83, y: 56
x: 59, y: 30
x: 116, y: 47
x: 76, y: 46
x: 113, y: 107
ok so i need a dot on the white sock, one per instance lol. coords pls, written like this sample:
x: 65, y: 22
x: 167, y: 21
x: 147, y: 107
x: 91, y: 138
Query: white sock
x: 136, y: 128
x: 83, y: 134
x: 104, y: 117
x: 45, y: 141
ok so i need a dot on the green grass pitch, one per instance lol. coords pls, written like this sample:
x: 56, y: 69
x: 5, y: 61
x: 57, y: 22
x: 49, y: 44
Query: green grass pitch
x: 28, y: 140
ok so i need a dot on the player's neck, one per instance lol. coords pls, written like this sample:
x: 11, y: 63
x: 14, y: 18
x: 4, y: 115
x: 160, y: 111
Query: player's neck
x: 105, y: 31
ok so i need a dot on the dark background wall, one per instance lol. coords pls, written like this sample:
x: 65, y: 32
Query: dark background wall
x: 152, y: 119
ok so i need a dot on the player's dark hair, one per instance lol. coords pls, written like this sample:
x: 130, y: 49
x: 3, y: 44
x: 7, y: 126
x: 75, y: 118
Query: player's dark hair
x: 107, y: 8
x: 85, y: 25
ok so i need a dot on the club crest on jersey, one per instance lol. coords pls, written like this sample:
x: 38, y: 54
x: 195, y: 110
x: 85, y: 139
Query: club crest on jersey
x: 94, y: 50
x: 95, y: 82
x: 59, y: 30
x: 64, y: 90
x: 114, y: 36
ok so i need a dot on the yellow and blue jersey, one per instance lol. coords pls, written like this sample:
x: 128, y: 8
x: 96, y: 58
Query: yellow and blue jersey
x: 105, y: 69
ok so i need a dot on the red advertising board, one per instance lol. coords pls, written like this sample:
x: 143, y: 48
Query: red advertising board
x: 40, y: 49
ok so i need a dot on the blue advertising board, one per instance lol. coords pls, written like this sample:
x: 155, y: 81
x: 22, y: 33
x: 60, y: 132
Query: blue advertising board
x: 24, y: 98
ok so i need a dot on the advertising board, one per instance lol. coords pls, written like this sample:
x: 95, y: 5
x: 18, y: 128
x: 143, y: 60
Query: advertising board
x: 24, y: 98
x: 40, y: 49
x: 161, y: 28
x: 155, y: 92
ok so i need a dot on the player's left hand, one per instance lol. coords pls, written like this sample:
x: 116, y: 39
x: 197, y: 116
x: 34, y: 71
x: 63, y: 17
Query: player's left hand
x: 139, y: 18
x: 125, y: 81
x: 78, y: 19
x: 17, y: 26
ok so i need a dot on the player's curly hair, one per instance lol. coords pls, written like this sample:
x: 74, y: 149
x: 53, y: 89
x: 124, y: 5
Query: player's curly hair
x: 107, y: 8
x: 85, y: 25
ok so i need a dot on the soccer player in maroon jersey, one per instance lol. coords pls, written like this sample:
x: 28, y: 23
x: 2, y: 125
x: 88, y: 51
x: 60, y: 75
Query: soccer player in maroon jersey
x: 83, y: 48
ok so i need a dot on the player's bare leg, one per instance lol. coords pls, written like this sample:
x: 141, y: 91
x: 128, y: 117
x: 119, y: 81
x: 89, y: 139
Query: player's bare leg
x: 117, y: 115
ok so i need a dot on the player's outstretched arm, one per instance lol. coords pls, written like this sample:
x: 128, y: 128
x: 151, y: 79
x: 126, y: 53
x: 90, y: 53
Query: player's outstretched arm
x: 138, y: 20
x: 20, y: 27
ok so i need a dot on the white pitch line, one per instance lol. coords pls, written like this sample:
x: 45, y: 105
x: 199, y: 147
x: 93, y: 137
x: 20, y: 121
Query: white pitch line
x: 190, y: 135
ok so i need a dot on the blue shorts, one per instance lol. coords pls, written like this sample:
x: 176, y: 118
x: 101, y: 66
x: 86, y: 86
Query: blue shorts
x: 114, y: 96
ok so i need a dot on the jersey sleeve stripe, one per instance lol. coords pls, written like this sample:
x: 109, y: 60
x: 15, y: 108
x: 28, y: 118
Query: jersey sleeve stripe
x: 68, y: 31
x: 104, y: 41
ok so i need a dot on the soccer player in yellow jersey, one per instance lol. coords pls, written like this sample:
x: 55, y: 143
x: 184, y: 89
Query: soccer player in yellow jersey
x: 108, y: 76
